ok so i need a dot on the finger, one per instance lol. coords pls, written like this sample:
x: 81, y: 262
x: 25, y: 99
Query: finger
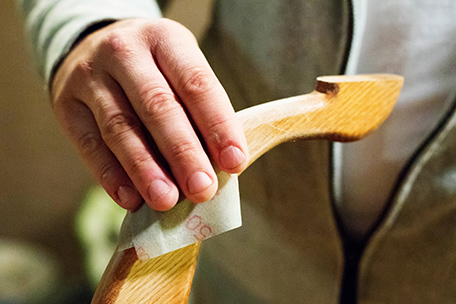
x: 165, y: 118
x: 125, y: 136
x: 188, y: 72
x: 78, y: 121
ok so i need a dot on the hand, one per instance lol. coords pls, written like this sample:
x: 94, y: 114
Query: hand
x: 145, y: 110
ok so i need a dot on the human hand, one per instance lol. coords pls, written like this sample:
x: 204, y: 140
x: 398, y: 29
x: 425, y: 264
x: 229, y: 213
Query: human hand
x: 145, y: 111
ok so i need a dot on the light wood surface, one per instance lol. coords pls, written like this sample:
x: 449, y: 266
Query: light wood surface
x: 342, y: 108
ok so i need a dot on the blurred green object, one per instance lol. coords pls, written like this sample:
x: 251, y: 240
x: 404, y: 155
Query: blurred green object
x: 28, y: 274
x: 97, y: 227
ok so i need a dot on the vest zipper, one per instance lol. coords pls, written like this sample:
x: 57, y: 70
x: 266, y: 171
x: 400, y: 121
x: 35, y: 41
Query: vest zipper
x: 352, y: 252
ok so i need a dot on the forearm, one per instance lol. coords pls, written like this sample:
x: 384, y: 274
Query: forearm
x: 54, y: 25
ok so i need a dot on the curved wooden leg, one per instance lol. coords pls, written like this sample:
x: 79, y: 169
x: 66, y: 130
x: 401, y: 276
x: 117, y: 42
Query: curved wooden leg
x: 342, y: 108
x: 164, y: 279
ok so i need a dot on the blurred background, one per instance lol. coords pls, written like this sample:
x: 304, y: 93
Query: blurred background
x: 42, y: 179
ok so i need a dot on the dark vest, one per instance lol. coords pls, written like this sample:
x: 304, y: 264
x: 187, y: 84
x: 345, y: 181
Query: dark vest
x: 265, y: 50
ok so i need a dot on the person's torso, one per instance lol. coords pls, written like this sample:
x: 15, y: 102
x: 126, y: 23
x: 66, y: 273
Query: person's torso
x: 290, y: 248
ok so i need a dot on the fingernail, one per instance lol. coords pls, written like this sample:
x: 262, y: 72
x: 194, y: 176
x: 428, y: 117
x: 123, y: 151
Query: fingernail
x: 198, y: 182
x: 231, y: 157
x: 125, y: 194
x: 157, y: 189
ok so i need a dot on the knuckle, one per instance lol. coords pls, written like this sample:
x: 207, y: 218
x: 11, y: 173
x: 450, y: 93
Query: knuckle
x: 165, y: 31
x: 183, y: 151
x: 196, y: 82
x: 89, y: 143
x: 217, y: 132
x: 115, y: 126
x: 219, y: 125
x: 158, y: 103
x: 165, y: 27
x: 106, y: 171
x: 118, y: 44
x: 83, y: 69
x: 139, y: 164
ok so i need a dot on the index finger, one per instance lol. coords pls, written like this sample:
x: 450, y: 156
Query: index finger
x: 191, y: 77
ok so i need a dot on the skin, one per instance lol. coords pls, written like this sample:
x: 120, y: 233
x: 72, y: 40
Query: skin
x: 147, y: 113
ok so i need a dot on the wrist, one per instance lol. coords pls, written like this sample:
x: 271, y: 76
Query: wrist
x: 91, y: 28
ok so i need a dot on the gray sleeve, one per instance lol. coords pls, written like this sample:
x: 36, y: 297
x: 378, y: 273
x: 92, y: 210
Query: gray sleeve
x: 52, y: 26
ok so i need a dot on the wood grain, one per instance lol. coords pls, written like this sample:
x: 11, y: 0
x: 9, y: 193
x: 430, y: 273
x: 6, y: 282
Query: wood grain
x: 342, y: 108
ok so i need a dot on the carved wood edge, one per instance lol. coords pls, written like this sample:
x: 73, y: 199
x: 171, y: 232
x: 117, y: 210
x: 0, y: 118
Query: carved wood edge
x: 342, y: 108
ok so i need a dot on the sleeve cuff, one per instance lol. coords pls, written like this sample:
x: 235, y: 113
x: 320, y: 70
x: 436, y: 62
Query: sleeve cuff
x: 55, y: 25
